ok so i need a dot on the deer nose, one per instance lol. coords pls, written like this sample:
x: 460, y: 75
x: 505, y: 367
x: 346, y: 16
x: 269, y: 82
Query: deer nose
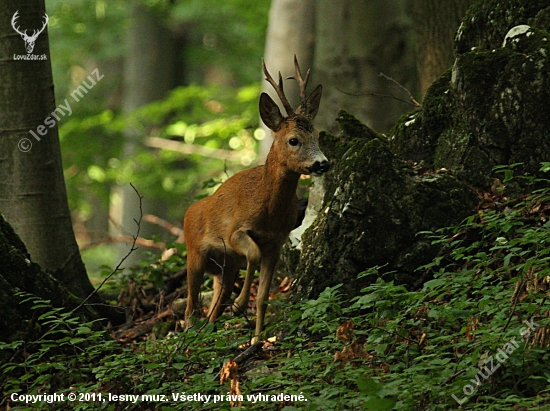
x: 319, y: 167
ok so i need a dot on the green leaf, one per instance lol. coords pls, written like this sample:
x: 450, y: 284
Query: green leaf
x: 368, y: 385
x: 379, y: 404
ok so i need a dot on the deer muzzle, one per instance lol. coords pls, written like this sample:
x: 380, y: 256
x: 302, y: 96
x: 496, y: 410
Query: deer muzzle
x: 319, y: 167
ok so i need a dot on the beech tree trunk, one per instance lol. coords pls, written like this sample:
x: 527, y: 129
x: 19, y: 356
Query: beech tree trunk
x: 435, y: 26
x: 291, y: 30
x: 355, y: 41
x: 149, y: 73
x: 33, y: 197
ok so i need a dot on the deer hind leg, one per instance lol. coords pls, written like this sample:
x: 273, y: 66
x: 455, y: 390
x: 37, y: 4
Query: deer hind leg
x: 241, y: 242
x: 223, y: 286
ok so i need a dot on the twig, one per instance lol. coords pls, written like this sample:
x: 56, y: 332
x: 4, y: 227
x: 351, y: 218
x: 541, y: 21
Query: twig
x: 406, y: 90
x: 412, y: 101
x: 376, y: 95
x: 132, y: 249
x: 140, y: 241
x: 249, y: 352
x: 185, y: 148
x: 244, y: 356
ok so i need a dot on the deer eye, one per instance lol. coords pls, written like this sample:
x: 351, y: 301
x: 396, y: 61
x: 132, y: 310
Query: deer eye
x: 294, y: 142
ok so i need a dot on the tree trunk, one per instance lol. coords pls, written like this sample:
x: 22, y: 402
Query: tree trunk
x: 33, y: 196
x: 435, y: 25
x: 290, y: 31
x: 355, y: 41
x: 149, y: 73
x: 19, y: 274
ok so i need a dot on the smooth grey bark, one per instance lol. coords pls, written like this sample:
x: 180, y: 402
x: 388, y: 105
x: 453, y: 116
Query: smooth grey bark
x: 290, y: 31
x: 33, y: 196
x: 149, y: 73
x: 355, y: 41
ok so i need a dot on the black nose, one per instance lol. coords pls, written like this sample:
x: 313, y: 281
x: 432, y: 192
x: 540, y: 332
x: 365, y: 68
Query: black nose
x: 319, y: 167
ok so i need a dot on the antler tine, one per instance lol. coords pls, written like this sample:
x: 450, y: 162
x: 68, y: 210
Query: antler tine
x: 279, y: 89
x: 302, y: 83
x: 46, y: 20
x: 36, y: 33
x: 13, y: 22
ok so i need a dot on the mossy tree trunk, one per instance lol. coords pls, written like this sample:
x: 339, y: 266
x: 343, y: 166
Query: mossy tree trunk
x: 19, y: 274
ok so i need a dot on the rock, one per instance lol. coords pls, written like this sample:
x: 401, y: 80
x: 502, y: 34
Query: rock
x: 489, y: 109
x: 375, y: 205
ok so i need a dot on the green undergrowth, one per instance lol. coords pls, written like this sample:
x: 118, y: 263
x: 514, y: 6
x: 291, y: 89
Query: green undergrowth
x: 473, y: 337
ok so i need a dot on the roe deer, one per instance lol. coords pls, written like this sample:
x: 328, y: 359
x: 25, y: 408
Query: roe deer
x: 248, y: 219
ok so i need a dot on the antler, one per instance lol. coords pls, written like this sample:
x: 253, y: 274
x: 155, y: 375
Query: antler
x: 302, y: 83
x: 35, y: 34
x: 279, y: 89
x: 15, y: 16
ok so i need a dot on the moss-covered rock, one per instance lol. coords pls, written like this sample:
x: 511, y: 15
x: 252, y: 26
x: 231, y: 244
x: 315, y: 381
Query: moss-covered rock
x: 487, y: 22
x: 375, y: 205
x: 491, y: 107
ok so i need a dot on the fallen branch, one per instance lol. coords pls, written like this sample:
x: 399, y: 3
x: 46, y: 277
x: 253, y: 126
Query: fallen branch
x: 185, y: 148
x: 174, y: 230
x: 140, y: 241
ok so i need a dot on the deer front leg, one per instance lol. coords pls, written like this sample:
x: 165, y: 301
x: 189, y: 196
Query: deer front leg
x: 266, y: 275
x: 241, y: 242
x: 195, y: 275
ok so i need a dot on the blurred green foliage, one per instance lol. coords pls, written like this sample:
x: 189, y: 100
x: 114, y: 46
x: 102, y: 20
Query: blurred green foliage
x: 209, y: 122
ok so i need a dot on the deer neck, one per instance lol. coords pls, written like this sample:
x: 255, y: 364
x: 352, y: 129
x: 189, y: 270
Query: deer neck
x: 280, y: 185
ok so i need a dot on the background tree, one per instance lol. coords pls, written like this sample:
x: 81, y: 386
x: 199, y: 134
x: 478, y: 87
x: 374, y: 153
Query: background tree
x: 33, y: 197
x: 150, y: 72
x: 354, y: 42
x: 435, y: 25
x: 291, y: 30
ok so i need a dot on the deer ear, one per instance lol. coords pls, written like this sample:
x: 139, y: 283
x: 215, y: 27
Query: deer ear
x: 270, y: 113
x: 313, y: 101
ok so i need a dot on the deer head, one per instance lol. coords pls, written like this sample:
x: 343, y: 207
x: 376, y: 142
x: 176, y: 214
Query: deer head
x: 295, y: 140
x: 29, y: 40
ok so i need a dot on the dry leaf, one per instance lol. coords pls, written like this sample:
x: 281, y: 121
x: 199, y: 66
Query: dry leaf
x: 345, y: 331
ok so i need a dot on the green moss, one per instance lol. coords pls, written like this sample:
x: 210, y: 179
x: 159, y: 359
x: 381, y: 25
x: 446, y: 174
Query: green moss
x: 487, y: 22
x: 542, y: 19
